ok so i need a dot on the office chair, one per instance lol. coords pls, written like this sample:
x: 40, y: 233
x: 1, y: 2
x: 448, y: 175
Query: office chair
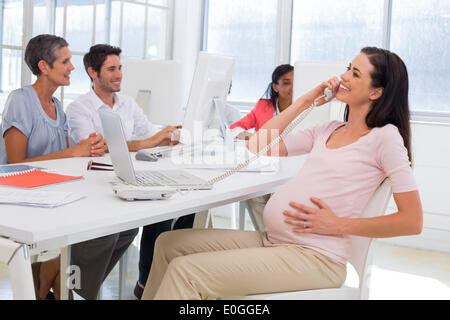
x: 16, y: 257
x: 356, y: 286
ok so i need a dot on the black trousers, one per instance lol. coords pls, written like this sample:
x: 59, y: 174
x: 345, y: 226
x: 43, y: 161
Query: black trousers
x: 96, y: 258
x: 149, y: 235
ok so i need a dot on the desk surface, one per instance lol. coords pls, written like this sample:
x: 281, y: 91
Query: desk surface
x: 102, y: 213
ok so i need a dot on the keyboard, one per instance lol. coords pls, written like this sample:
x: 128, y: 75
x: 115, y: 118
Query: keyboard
x: 179, y: 179
x: 153, y: 178
x: 163, y: 152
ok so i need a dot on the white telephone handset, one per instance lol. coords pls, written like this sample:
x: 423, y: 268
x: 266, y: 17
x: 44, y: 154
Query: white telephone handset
x: 327, y: 96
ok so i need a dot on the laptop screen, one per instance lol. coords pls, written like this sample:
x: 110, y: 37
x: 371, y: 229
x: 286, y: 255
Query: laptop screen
x: 117, y: 145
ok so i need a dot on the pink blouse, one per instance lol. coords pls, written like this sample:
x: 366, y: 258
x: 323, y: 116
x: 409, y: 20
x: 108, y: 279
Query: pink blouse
x: 344, y: 178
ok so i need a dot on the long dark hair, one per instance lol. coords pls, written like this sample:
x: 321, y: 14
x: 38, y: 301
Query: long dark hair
x: 276, y: 75
x: 390, y: 73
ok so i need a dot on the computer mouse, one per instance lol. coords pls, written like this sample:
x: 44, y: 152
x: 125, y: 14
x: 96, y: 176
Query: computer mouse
x: 146, y: 156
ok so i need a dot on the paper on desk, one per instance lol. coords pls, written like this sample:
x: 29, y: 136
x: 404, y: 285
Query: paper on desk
x: 43, y: 199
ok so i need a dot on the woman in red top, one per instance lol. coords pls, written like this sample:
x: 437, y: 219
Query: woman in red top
x: 279, y: 97
x: 279, y: 94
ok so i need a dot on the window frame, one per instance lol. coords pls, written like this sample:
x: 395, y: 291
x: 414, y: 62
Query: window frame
x: 283, y: 40
x: 27, y: 28
x: 284, y: 43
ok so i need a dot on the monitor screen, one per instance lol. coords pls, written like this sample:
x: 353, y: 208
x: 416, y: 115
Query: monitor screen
x: 155, y: 85
x: 212, y: 79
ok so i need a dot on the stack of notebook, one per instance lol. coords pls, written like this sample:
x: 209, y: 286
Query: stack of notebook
x: 22, y: 176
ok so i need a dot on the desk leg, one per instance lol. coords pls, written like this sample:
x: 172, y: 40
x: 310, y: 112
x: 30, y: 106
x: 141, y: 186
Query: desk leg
x: 65, y: 263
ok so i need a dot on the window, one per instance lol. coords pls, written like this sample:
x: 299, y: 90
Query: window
x: 126, y: 28
x: 246, y: 30
x: 140, y: 28
x: 74, y: 21
x: 334, y: 31
x: 144, y: 27
x: 11, y: 16
x: 420, y: 35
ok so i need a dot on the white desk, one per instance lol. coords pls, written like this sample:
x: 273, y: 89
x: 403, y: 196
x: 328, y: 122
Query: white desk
x: 102, y: 213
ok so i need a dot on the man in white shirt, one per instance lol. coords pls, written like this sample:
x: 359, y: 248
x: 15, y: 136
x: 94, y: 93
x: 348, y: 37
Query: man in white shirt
x: 102, y: 63
x: 103, y: 66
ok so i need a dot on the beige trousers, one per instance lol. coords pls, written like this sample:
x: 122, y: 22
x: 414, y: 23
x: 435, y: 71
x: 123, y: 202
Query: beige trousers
x: 255, y: 207
x: 209, y: 264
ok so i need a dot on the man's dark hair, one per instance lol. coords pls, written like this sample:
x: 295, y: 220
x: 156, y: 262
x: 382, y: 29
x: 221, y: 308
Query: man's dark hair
x: 43, y: 47
x: 97, y: 55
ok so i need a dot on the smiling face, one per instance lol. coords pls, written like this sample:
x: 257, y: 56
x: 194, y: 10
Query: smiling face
x: 356, y: 86
x: 62, y: 67
x: 109, y: 78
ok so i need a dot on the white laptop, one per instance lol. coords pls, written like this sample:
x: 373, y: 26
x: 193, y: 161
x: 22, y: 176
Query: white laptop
x: 123, y: 166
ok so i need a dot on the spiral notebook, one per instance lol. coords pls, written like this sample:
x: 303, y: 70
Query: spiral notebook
x: 32, y: 178
x: 6, y: 170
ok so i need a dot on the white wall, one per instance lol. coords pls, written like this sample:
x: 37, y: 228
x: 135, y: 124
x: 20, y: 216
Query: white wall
x: 431, y: 142
x: 431, y: 152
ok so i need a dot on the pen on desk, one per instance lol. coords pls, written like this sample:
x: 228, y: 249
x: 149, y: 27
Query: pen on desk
x: 99, y: 169
x: 92, y: 163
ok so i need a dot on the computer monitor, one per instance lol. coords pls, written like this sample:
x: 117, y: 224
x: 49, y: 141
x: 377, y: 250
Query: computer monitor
x: 212, y: 79
x: 155, y: 85
x: 308, y: 75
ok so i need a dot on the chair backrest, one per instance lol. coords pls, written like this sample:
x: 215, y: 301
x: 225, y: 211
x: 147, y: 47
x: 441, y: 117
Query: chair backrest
x: 360, y: 256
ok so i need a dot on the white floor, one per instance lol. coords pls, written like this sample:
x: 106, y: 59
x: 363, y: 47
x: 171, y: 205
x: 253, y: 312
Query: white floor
x: 398, y: 273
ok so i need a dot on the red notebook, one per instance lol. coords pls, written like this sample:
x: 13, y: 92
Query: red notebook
x: 34, y: 178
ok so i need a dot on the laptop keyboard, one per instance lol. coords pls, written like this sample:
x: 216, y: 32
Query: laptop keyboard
x: 183, y: 150
x: 171, y: 178
x: 147, y: 178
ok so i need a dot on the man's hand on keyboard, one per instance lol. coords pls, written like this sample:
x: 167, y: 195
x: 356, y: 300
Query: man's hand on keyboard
x: 175, y: 139
x: 166, y: 137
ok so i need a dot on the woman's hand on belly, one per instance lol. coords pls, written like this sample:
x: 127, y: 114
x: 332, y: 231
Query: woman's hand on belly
x: 320, y: 220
